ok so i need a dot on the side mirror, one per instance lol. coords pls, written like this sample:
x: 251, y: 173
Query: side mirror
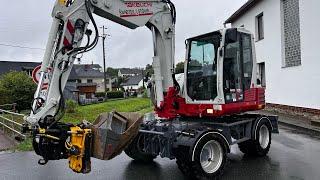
x: 231, y: 36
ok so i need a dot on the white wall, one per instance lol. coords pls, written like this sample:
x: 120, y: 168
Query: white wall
x: 99, y: 82
x: 294, y: 86
x: 310, y: 38
x: 135, y: 87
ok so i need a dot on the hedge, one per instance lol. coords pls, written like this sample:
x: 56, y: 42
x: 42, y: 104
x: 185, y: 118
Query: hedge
x: 100, y: 94
x: 114, y: 94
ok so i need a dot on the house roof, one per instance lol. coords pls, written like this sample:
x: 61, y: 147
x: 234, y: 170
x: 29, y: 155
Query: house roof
x: 78, y: 70
x: 133, y: 80
x: 130, y: 71
x: 242, y: 10
x: 6, y: 66
x: 85, y: 71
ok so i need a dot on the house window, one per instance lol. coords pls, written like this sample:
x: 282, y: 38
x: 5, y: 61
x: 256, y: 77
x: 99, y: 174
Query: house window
x: 291, y: 33
x: 259, y: 27
x: 79, y: 81
x: 261, y: 79
x: 89, y: 81
x: 107, y: 81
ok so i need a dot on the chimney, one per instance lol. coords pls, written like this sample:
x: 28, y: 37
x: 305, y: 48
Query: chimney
x: 86, y: 67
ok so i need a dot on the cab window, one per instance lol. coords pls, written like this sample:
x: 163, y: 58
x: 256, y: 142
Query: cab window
x: 237, y: 68
x: 202, y: 68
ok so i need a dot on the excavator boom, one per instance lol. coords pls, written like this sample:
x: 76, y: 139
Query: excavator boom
x: 69, y: 28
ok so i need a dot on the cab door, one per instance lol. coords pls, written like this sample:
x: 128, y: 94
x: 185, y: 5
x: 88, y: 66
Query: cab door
x: 237, y: 65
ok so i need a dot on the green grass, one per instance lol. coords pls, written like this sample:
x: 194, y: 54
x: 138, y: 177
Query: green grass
x: 91, y: 112
x: 25, y: 145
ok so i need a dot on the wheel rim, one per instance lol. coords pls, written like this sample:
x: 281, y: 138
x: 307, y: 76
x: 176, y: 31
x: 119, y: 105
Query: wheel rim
x: 211, y: 156
x: 264, y: 137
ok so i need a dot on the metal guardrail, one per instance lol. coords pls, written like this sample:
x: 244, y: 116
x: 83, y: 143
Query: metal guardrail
x: 7, y: 121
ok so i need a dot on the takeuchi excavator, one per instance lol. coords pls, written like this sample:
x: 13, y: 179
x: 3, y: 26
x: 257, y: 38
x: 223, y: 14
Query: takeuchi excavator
x: 194, y: 122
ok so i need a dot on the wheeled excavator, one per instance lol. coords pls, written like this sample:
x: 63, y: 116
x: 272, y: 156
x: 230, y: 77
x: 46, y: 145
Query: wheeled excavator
x: 195, y: 122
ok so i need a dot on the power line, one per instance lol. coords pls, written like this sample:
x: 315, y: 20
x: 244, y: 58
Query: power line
x: 23, y: 47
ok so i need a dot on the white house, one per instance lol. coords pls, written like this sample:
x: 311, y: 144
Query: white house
x: 134, y: 83
x: 90, y: 74
x: 287, y: 48
x: 127, y: 72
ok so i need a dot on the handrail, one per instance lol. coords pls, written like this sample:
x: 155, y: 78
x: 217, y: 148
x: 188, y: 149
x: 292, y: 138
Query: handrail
x: 13, y: 129
x: 10, y: 112
x: 1, y: 105
x: 6, y: 122
x: 11, y: 121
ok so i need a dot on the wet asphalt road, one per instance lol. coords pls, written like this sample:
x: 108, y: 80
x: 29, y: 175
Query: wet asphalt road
x: 293, y: 155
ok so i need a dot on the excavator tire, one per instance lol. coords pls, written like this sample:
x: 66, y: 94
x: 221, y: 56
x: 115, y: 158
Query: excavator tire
x: 195, y: 169
x: 259, y: 146
x: 134, y: 151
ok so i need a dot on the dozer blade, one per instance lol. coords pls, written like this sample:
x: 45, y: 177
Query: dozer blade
x: 112, y: 132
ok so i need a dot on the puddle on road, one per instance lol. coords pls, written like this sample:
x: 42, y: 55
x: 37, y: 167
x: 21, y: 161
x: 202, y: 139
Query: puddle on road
x: 303, y: 133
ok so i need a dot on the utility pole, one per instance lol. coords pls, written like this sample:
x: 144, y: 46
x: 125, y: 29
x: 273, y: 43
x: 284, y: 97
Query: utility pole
x: 104, y: 35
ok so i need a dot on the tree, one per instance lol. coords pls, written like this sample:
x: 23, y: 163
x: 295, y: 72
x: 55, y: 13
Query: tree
x: 180, y: 67
x: 149, y: 70
x: 17, y: 87
x: 112, y: 72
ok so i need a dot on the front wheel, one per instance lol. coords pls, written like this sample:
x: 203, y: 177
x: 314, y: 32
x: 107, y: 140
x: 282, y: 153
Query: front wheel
x: 260, y: 146
x: 209, y: 158
x: 135, y: 150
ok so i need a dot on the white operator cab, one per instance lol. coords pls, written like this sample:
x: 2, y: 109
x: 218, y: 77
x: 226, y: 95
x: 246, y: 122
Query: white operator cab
x: 217, y: 64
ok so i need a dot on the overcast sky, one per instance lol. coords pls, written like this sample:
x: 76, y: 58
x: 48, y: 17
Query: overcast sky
x: 27, y: 23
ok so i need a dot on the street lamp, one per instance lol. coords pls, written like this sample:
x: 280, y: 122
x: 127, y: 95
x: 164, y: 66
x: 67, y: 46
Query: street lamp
x: 104, y: 35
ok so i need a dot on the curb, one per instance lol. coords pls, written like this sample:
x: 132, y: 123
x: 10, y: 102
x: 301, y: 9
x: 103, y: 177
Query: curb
x: 305, y: 129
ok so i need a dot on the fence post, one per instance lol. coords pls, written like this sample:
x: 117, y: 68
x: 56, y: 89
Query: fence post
x: 2, y: 125
x: 12, y: 126
x: 14, y: 107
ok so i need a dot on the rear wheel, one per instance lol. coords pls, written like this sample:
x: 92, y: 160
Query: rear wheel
x: 210, y: 156
x: 135, y: 150
x: 260, y: 146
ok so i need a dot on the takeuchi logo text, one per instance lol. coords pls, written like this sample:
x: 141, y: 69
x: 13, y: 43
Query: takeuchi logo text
x: 138, y: 4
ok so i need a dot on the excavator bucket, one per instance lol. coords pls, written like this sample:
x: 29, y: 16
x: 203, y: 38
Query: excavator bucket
x: 113, y: 132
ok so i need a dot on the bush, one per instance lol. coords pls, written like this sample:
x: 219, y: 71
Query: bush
x: 17, y: 87
x: 114, y: 94
x: 100, y: 94
x: 71, y: 106
x: 145, y: 94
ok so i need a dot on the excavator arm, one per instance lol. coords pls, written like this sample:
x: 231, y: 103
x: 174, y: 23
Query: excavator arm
x: 69, y: 28
x: 55, y: 140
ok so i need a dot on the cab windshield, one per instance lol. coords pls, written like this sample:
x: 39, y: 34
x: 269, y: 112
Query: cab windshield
x: 202, y: 67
